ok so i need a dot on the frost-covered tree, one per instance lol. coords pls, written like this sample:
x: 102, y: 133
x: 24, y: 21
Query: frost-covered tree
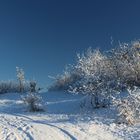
x: 97, y: 77
x: 32, y: 99
x: 21, y: 78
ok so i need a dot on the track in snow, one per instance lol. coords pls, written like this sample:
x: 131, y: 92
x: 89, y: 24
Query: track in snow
x: 25, y: 128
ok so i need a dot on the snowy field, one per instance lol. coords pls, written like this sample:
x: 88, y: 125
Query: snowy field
x: 63, y: 119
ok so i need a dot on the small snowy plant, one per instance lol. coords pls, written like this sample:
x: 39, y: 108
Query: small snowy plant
x: 21, y: 78
x: 125, y: 112
x: 129, y: 108
x: 33, y: 100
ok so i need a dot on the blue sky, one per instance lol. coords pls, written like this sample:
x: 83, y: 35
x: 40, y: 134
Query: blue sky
x: 42, y: 36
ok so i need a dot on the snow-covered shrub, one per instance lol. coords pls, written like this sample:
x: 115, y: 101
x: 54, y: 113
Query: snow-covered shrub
x: 129, y: 107
x: 32, y: 99
x: 62, y: 82
x: 21, y: 79
x: 125, y: 113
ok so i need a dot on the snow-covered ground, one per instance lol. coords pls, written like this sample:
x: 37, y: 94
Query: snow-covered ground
x: 63, y: 119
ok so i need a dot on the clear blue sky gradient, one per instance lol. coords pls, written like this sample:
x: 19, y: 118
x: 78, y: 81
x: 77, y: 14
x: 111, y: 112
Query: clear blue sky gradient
x: 42, y: 36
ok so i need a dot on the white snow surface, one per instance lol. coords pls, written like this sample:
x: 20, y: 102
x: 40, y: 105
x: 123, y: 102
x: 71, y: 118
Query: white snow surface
x: 63, y: 119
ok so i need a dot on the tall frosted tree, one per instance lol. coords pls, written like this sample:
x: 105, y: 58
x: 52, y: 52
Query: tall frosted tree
x: 21, y: 78
x: 97, y: 77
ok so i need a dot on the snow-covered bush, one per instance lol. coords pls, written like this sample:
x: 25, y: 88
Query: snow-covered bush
x: 32, y: 99
x: 129, y: 107
x: 62, y: 82
x: 21, y: 78
x: 125, y: 114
